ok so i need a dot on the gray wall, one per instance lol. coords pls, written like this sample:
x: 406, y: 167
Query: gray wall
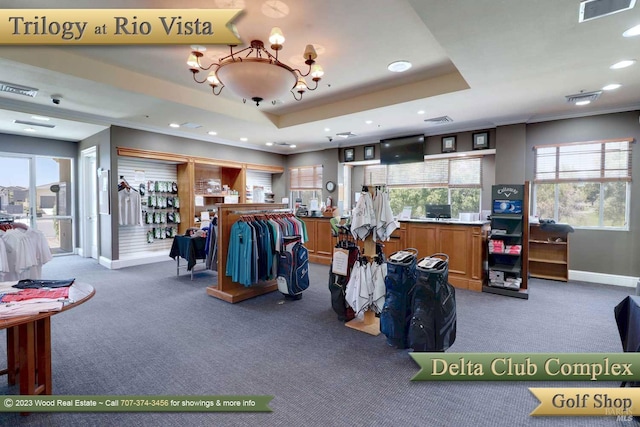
x: 106, y: 223
x: 38, y: 146
x: 610, y: 252
x: 511, y: 154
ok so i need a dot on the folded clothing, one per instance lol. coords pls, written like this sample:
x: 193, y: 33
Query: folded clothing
x: 26, y: 294
x: 42, y: 283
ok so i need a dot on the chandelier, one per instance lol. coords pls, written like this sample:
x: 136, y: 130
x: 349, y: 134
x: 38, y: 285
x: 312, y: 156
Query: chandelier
x: 255, y: 73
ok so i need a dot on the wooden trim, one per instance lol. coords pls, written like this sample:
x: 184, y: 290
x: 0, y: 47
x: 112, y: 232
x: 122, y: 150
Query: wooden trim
x: 602, y: 141
x: 148, y: 154
x: 217, y: 162
x: 265, y: 168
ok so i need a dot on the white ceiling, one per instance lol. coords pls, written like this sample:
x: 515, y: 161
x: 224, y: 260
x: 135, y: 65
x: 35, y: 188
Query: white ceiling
x: 484, y: 63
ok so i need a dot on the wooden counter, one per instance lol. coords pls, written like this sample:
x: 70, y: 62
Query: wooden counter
x: 321, y: 242
x: 463, y: 242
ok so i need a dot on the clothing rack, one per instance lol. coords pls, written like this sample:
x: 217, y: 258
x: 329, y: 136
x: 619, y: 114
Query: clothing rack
x: 228, y: 214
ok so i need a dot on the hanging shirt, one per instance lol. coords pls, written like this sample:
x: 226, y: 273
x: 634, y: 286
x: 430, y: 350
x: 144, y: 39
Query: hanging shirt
x: 129, y: 207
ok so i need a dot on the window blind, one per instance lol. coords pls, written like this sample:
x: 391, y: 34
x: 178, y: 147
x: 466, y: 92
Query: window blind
x: 466, y: 172
x: 305, y: 178
x: 597, y: 161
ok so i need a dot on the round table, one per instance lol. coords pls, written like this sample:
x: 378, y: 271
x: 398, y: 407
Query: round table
x: 29, y: 344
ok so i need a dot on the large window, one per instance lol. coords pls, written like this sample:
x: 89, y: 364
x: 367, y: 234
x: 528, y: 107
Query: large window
x: 584, y: 184
x: 305, y: 183
x: 456, y: 181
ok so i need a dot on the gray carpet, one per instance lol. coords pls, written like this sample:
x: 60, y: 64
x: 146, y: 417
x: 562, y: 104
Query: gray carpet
x: 147, y: 331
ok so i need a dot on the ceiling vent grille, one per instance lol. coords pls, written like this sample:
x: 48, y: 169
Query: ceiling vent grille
x: 190, y: 125
x: 593, y: 9
x: 18, y: 89
x: 283, y: 144
x: 583, y: 97
x: 439, y: 120
x: 346, y: 134
x: 28, y: 123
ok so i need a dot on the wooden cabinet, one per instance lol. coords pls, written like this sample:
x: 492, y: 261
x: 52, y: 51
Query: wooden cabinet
x: 463, y: 243
x: 396, y: 241
x: 321, y: 242
x: 549, y: 252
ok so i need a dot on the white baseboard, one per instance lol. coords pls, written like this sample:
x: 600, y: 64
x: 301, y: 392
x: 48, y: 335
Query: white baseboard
x: 139, y: 259
x: 605, y: 279
x: 105, y: 262
x: 80, y: 252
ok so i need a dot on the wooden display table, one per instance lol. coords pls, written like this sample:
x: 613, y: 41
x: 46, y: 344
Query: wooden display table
x: 29, y: 344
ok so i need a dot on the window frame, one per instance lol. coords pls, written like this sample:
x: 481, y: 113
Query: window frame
x: 603, y: 179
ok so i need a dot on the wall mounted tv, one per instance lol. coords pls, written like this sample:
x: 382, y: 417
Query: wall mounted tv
x: 407, y: 149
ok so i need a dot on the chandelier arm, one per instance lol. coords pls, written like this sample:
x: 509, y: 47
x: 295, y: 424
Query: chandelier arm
x: 295, y: 97
x: 194, y: 77
x: 316, y: 80
x: 213, y: 89
x: 204, y: 68
x: 301, y: 73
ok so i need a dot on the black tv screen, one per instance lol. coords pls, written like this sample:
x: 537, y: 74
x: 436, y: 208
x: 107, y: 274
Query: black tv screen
x: 408, y: 149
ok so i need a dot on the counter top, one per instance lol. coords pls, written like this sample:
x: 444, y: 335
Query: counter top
x: 448, y: 221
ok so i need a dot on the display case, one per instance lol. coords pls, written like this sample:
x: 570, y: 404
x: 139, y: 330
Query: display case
x: 507, y: 247
x: 549, y: 251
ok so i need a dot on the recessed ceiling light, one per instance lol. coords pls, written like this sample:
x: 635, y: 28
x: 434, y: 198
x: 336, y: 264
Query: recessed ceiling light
x: 399, y: 66
x: 292, y: 146
x: 612, y: 86
x: 29, y: 130
x: 243, y: 139
x: 623, y: 64
x: 421, y: 112
x: 585, y: 102
x: 174, y: 125
x: 369, y: 122
x: 212, y: 133
x: 43, y: 118
x: 327, y: 129
x: 631, y: 32
x: 269, y: 144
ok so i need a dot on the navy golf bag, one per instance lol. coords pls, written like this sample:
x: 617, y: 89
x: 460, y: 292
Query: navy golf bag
x: 293, y: 268
x: 433, y: 305
x: 396, y: 313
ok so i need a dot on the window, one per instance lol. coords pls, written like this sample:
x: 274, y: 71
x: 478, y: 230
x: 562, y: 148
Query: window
x: 456, y: 181
x: 305, y: 184
x: 584, y: 184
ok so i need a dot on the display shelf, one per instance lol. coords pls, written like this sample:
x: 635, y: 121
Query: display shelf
x: 549, y: 252
x: 514, y: 231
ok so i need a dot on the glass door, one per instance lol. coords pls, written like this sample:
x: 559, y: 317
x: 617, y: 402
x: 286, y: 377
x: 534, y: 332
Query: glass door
x: 15, y: 188
x: 54, y: 207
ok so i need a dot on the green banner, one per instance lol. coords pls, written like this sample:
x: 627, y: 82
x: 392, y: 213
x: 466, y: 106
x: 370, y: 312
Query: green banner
x: 527, y: 366
x: 135, y: 403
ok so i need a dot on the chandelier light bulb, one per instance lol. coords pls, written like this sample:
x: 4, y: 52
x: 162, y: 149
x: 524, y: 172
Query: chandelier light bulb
x: 317, y: 72
x: 310, y: 54
x: 276, y: 38
x: 192, y: 62
x: 301, y: 86
x: 213, y: 79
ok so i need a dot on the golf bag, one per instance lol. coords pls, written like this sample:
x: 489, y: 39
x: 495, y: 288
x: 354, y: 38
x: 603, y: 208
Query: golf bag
x: 396, y: 313
x: 293, y: 267
x: 338, y: 284
x: 433, y: 306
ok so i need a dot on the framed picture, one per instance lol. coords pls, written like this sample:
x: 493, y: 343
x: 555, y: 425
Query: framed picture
x: 448, y: 144
x: 349, y: 155
x: 480, y: 140
x: 369, y: 152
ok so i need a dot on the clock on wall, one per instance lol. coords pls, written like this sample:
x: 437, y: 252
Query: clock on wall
x: 330, y: 186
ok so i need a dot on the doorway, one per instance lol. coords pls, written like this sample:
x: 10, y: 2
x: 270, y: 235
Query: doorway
x: 88, y: 207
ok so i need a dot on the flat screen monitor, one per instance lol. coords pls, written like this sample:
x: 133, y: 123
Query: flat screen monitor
x: 438, y: 211
x: 408, y: 149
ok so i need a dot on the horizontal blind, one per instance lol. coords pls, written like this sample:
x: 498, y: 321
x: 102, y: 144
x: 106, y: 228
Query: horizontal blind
x: 305, y: 178
x: 133, y: 239
x: 465, y: 172
x: 593, y: 161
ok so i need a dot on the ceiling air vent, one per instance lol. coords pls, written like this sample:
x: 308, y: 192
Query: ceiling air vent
x: 28, y: 123
x: 439, y: 120
x: 190, y: 125
x: 18, y: 89
x: 346, y: 134
x: 593, y: 9
x: 583, y: 97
